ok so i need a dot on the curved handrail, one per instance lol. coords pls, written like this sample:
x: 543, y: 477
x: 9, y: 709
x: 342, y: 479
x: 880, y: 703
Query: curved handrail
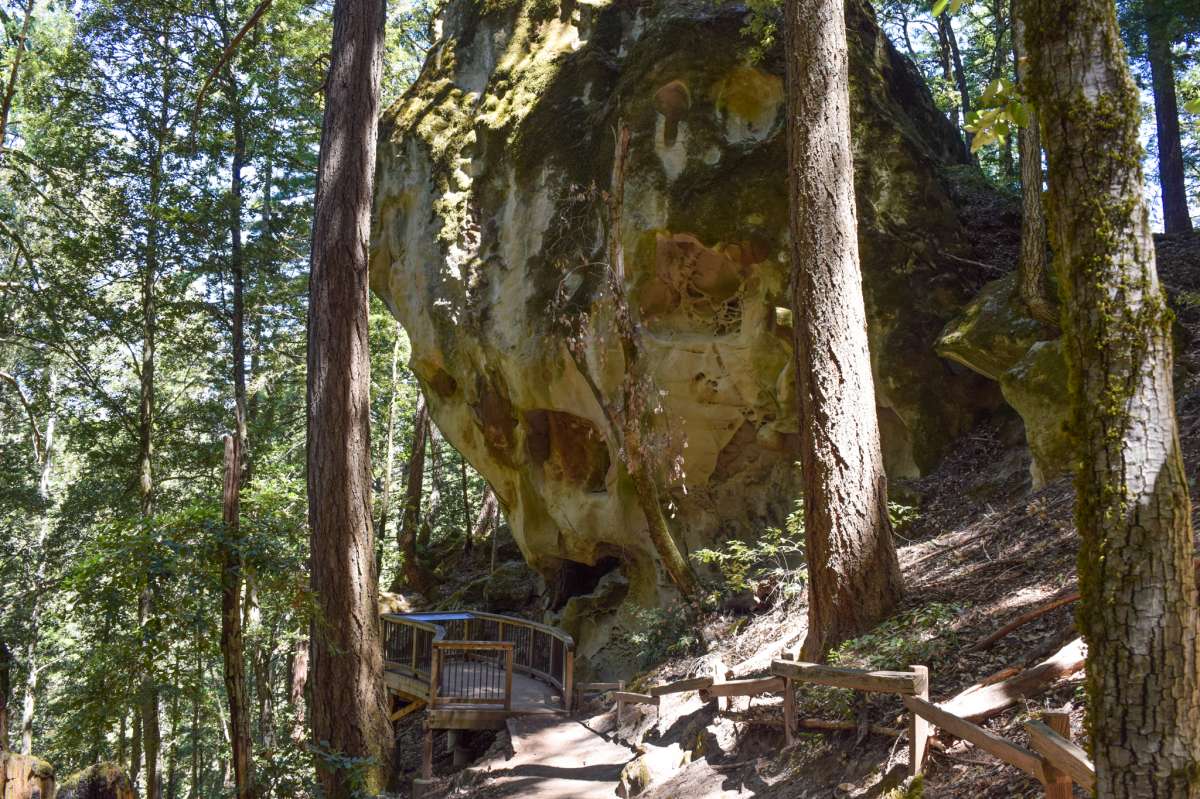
x: 542, y: 651
x: 561, y: 635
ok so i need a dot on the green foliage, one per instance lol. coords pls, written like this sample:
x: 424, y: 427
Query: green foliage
x: 1002, y: 109
x: 913, y: 788
x: 775, y: 559
x: 916, y: 636
x: 661, y: 633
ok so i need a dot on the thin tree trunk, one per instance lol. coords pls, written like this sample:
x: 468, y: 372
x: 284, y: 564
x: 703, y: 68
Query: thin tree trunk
x: 296, y: 696
x: 148, y: 694
x: 135, y: 747
x: 466, y: 501
x: 1139, y: 612
x: 960, y: 80
x: 10, y: 88
x: 5, y: 692
x: 233, y: 566
x: 197, y: 694
x: 948, y: 75
x: 630, y: 423
x: 1176, y: 217
x: 121, y: 736
x: 389, y: 463
x: 412, y: 576
x: 37, y: 587
x: 434, y: 449
x: 173, y: 750
x: 349, y: 714
x: 232, y: 647
x: 854, y: 578
x: 1032, y: 274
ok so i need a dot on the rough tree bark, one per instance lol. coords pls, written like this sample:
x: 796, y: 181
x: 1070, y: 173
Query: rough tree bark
x: 232, y: 647
x: 349, y: 715
x: 1139, y: 614
x: 1176, y: 218
x: 412, y: 575
x: 1032, y: 274
x: 854, y: 578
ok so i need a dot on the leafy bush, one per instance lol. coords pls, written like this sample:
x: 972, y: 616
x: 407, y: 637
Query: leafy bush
x: 775, y: 559
x: 661, y: 633
x: 919, y: 635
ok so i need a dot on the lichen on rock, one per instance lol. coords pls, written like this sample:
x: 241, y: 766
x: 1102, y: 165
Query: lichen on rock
x: 997, y: 337
x: 490, y: 210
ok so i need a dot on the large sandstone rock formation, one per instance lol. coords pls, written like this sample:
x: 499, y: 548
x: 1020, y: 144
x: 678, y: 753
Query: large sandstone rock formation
x: 490, y: 209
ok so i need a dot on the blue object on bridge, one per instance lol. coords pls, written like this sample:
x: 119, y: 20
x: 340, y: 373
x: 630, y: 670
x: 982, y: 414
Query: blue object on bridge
x: 436, y: 617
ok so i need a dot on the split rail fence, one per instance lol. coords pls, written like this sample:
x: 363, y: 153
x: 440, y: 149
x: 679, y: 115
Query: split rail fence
x: 1055, y: 760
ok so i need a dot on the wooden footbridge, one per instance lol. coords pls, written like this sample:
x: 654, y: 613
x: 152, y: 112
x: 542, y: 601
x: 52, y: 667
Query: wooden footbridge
x: 474, y: 670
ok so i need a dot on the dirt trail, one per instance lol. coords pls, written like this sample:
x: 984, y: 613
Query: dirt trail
x: 556, y: 758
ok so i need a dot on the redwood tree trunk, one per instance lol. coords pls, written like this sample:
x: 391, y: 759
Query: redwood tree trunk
x: 349, y: 715
x: 854, y: 578
x: 1033, y: 284
x: 1176, y: 218
x: 1138, y: 613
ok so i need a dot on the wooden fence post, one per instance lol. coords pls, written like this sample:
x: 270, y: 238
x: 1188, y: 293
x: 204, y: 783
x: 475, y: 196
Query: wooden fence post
x: 789, y: 711
x: 435, y: 669
x: 1058, y: 783
x: 569, y: 681
x: 918, y: 727
x: 427, y: 753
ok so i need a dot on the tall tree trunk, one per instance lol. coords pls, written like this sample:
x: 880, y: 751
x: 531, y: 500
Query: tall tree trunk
x: 389, y: 463
x: 466, y: 502
x: 434, y: 450
x: 1032, y: 274
x: 233, y: 566
x: 172, y: 788
x: 197, y: 695
x: 38, y: 587
x: 148, y: 694
x: 854, y: 578
x: 296, y: 694
x: 952, y: 70
x: 135, y: 747
x: 5, y: 692
x: 1176, y: 217
x: 10, y: 88
x: 232, y: 648
x: 412, y: 575
x: 121, y: 730
x: 633, y: 419
x: 1139, y: 612
x: 349, y: 714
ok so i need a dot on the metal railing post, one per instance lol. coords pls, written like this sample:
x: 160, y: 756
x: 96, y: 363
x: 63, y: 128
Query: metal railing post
x: 508, y: 675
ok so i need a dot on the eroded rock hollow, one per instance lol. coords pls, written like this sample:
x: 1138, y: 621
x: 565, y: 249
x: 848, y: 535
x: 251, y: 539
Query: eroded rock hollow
x: 489, y: 207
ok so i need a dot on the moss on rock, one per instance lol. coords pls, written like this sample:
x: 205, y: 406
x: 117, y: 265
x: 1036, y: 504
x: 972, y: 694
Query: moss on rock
x: 490, y: 210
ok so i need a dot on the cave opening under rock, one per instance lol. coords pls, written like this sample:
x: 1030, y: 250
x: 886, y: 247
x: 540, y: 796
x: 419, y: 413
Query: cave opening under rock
x: 579, y: 579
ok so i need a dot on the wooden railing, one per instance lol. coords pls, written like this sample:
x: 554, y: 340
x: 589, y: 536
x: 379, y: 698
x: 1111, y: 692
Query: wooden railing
x: 1055, y: 760
x: 469, y: 657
